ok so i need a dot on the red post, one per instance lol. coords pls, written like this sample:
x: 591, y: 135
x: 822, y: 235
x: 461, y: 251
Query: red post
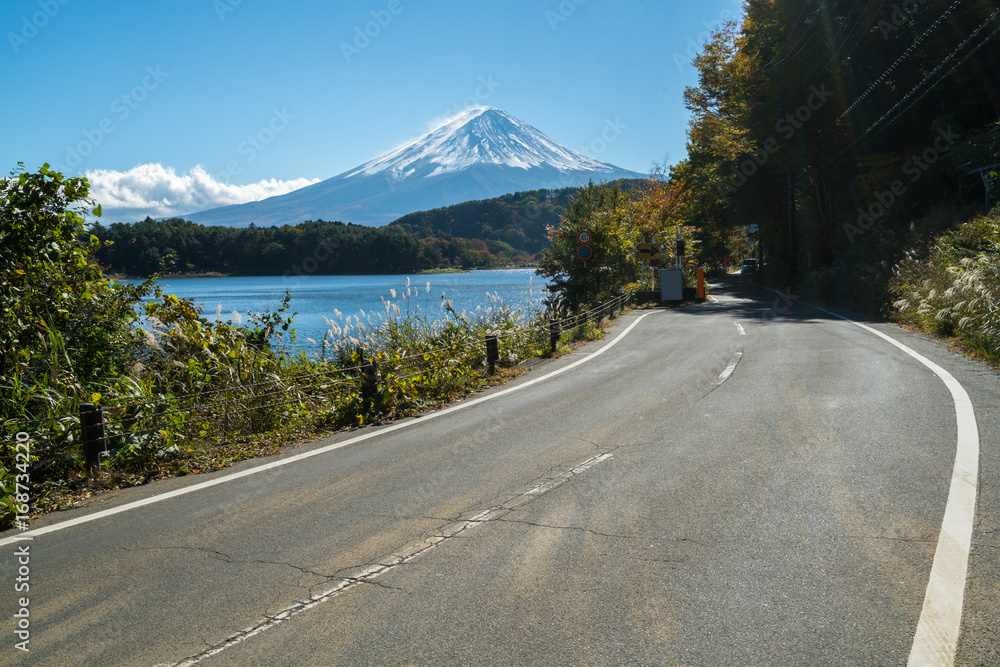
x: 701, y: 283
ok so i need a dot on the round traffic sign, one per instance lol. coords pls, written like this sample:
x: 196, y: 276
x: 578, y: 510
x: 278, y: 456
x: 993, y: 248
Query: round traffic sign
x: 583, y: 237
x: 584, y: 252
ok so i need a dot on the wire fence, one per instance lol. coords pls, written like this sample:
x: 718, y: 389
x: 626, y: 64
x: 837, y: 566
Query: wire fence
x: 151, y: 428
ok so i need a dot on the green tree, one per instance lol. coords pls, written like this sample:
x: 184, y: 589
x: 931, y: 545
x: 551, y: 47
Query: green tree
x: 613, y: 221
x: 62, y: 324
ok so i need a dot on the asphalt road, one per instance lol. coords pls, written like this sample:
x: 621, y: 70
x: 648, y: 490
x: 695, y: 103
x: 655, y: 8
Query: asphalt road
x: 632, y: 509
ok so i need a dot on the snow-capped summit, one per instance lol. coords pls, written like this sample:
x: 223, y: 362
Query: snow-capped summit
x: 480, y: 153
x: 478, y: 136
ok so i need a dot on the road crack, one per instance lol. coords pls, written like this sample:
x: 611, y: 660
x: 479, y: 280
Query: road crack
x: 449, y: 529
x: 215, y: 554
x: 893, y: 539
x: 578, y: 528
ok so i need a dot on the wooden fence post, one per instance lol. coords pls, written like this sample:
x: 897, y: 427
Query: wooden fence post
x: 492, y: 353
x: 369, y: 381
x: 94, y: 440
x: 553, y: 336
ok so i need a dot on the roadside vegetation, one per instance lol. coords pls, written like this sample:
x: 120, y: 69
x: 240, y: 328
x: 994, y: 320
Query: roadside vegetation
x: 182, y: 391
x: 951, y: 287
x: 618, y: 221
x: 829, y: 128
x: 857, y: 145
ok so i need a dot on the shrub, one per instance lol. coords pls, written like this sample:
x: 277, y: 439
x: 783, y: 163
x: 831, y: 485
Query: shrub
x: 955, y: 289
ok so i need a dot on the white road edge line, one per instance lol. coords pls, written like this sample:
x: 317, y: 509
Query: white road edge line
x: 388, y: 563
x: 36, y: 532
x: 936, y: 639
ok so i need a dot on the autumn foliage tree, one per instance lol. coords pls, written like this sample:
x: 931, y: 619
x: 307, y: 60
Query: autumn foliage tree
x: 609, y: 217
x: 617, y: 221
x: 808, y: 112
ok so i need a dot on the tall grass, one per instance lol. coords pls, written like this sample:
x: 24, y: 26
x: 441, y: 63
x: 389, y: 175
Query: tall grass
x: 953, y: 288
x: 203, y: 392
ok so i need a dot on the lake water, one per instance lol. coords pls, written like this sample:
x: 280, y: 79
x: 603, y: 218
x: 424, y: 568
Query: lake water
x: 316, y: 297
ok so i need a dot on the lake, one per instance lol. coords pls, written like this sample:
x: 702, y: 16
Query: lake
x: 316, y: 297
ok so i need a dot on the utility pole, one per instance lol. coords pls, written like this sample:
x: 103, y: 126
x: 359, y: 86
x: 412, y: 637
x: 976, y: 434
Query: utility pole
x: 679, y: 252
x: 791, y: 227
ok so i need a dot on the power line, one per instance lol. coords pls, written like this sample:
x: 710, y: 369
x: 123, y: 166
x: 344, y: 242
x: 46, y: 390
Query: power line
x: 865, y: 31
x: 929, y: 88
x: 944, y: 76
x: 804, y: 45
x: 834, y: 39
x: 928, y: 77
x: 898, y: 60
x: 846, y: 37
x: 820, y: 135
x: 790, y: 33
x: 924, y: 80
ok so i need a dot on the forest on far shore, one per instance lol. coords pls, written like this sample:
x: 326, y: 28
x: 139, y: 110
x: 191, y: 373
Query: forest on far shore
x: 492, y: 233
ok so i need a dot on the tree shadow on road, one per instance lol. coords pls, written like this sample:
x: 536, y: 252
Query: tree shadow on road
x: 742, y: 298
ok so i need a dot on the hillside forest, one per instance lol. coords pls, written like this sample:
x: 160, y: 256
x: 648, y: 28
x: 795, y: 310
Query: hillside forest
x: 845, y: 136
x: 504, y: 231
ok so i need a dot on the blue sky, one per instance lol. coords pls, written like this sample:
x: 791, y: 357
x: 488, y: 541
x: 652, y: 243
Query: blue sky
x: 246, y: 98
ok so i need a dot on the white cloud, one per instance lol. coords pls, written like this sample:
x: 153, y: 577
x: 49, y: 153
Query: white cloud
x: 158, y: 191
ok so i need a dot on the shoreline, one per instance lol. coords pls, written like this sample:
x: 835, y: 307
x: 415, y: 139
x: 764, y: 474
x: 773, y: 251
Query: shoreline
x: 213, y: 274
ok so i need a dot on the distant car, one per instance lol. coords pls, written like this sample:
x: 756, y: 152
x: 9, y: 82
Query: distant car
x: 749, y: 267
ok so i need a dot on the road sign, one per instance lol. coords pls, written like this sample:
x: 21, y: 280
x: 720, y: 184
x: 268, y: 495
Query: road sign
x: 583, y: 238
x: 584, y: 252
x: 649, y: 251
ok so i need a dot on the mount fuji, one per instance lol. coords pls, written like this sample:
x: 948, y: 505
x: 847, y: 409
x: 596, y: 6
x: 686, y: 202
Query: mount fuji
x: 481, y: 153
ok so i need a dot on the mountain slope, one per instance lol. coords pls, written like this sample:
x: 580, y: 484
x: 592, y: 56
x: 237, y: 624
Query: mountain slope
x: 482, y: 153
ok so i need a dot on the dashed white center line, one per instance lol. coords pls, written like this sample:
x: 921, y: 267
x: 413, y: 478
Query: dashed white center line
x: 724, y: 375
x: 404, y: 555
